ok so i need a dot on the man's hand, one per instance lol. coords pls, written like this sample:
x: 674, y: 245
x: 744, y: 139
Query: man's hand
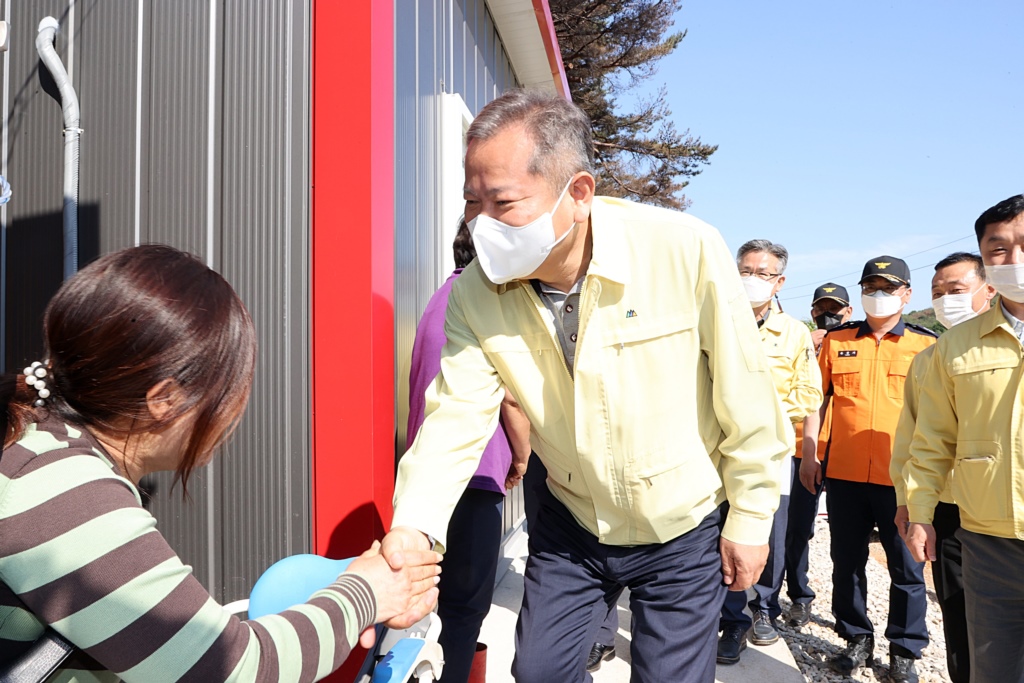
x: 816, y: 337
x: 902, y: 521
x: 405, y: 594
x: 921, y: 542
x: 810, y: 473
x: 742, y: 564
x: 400, y: 540
x: 404, y: 547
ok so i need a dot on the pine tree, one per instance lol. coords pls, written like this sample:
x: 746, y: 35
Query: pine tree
x: 608, y: 48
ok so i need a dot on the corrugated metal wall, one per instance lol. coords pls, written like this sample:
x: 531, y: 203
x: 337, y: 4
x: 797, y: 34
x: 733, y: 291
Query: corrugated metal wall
x: 196, y: 119
x: 442, y: 46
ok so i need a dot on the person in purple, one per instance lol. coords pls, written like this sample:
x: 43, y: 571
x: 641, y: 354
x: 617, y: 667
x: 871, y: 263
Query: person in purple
x: 471, y: 558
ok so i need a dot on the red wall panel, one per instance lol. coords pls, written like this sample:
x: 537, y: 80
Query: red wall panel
x: 352, y: 373
x: 353, y: 279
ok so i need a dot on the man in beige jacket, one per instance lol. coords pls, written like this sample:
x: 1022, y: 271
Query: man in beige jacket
x: 626, y: 336
x: 969, y: 426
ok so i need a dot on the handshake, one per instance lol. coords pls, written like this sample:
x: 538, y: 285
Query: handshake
x: 403, y: 572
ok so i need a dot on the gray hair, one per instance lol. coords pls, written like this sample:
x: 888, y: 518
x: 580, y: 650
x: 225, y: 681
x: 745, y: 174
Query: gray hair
x: 561, y: 132
x: 767, y: 246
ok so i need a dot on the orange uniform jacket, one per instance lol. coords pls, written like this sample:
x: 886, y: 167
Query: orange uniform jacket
x: 865, y: 378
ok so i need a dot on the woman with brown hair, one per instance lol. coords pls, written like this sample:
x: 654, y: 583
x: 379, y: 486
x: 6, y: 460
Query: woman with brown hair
x: 150, y: 358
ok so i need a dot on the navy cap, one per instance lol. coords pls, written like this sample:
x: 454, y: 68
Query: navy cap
x: 891, y: 268
x: 831, y: 290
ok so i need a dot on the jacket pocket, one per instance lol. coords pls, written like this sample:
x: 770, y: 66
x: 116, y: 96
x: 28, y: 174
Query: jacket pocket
x: 981, y: 487
x: 565, y: 478
x: 665, y: 491
x: 636, y: 329
x: 898, y: 378
x: 846, y: 377
x: 648, y: 475
x: 988, y: 360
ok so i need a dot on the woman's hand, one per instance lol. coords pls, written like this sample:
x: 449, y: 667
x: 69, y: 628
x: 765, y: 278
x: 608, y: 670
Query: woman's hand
x: 516, y: 472
x: 409, y: 591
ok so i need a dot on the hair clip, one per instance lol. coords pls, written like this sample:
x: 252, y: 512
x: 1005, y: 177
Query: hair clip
x: 35, y: 377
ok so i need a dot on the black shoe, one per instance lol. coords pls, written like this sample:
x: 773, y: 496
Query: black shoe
x: 901, y: 669
x: 858, y: 653
x: 799, y: 614
x: 732, y: 643
x: 764, y: 632
x: 599, y: 653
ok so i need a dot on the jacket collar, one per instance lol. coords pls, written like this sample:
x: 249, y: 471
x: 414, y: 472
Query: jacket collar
x: 773, y: 323
x: 609, y: 256
x: 864, y: 329
x: 992, y: 319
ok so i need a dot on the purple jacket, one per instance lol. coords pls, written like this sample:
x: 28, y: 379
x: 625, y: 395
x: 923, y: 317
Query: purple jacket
x: 426, y: 363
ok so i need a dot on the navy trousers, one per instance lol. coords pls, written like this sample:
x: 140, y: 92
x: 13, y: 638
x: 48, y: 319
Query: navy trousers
x: 803, y: 510
x: 947, y: 571
x: 536, y: 476
x: 571, y: 581
x: 467, y: 578
x: 855, y: 508
x: 769, y: 584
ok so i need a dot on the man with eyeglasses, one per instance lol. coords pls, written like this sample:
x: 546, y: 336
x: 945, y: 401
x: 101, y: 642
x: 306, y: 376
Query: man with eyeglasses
x: 797, y: 380
x: 864, y: 367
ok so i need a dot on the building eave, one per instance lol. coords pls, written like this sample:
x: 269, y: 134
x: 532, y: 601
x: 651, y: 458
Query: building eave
x: 527, y: 31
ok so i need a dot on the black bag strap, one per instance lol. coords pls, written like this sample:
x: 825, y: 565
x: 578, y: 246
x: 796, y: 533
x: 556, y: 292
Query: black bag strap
x: 41, y: 660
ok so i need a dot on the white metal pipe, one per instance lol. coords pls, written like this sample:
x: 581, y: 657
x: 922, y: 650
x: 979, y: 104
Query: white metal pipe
x: 72, y: 117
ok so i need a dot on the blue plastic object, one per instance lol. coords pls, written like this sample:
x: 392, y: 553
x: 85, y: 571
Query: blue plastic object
x: 292, y: 581
x: 398, y: 663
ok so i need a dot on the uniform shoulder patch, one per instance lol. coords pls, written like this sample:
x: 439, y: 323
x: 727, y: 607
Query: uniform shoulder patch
x: 847, y: 353
x: 921, y: 329
x: 853, y: 324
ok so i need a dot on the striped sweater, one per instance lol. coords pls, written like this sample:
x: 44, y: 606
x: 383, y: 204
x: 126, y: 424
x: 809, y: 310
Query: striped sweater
x: 79, y: 552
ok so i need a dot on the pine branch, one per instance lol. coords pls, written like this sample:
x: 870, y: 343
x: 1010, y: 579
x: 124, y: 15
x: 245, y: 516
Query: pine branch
x: 607, y: 47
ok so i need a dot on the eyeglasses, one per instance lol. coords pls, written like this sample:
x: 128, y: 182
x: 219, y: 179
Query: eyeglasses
x: 764, y: 275
x: 890, y: 288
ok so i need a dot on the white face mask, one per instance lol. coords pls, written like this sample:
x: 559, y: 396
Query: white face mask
x: 507, y: 252
x: 759, y: 292
x: 953, y: 309
x: 1008, y: 280
x: 881, y: 304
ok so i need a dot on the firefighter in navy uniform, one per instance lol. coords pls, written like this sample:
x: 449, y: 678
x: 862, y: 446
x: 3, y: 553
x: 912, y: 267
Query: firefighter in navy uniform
x: 863, y: 368
x: 830, y: 307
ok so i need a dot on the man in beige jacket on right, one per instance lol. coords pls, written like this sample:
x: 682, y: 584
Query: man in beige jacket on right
x: 970, y: 425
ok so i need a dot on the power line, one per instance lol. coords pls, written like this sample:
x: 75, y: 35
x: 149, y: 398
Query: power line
x: 959, y: 239
x: 790, y: 288
x: 792, y: 298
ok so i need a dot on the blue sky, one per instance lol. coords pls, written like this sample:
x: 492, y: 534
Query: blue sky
x: 847, y: 130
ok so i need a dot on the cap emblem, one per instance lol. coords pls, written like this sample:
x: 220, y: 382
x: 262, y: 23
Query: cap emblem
x: 883, y: 266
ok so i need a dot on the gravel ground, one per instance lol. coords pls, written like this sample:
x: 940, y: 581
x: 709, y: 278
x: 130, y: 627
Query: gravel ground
x: 815, y: 643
